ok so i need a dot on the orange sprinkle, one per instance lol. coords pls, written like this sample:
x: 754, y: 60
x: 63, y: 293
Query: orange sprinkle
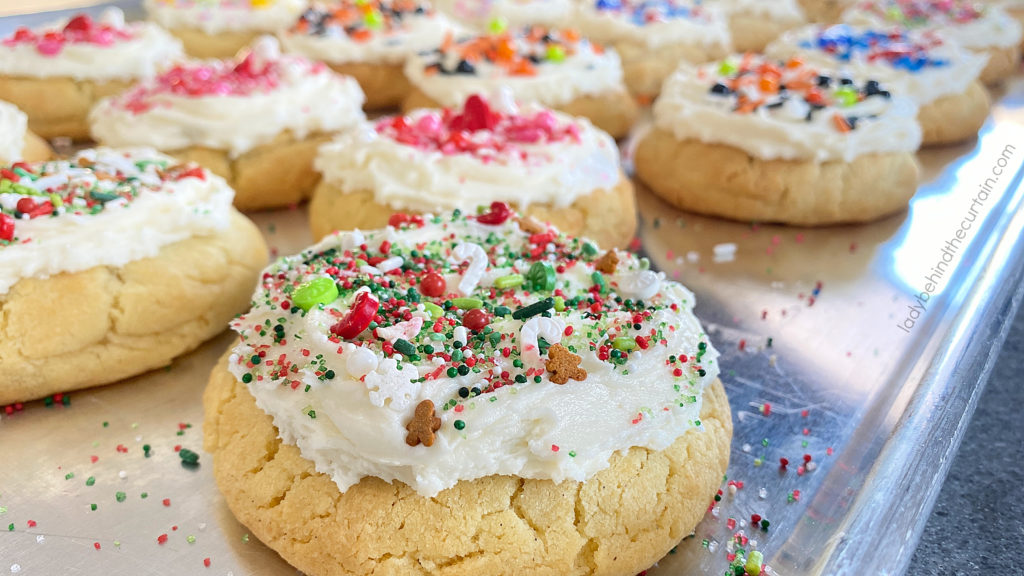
x: 769, y: 84
x: 840, y: 123
x: 448, y: 42
x: 361, y: 35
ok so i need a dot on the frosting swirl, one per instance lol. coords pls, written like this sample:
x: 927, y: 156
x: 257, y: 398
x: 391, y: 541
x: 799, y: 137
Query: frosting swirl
x: 918, y: 64
x: 785, y: 110
x: 540, y: 356
x: 442, y: 160
x: 551, y: 67
x: 232, y: 105
x: 386, y: 31
x: 87, y: 49
x: 102, y: 207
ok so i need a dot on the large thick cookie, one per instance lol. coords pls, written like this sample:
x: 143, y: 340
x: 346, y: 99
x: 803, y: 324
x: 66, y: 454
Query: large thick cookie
x: 617, y: 523
x: 103, y: 324
x: 720, y: 180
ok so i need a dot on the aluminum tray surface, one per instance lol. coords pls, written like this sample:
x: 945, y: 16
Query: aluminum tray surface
x: 837, y: 348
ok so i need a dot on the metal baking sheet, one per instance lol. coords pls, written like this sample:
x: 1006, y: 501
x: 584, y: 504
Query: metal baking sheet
x: 830, y: 350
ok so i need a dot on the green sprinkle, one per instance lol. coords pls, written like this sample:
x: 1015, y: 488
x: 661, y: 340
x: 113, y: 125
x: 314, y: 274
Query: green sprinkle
x: 90, y: 480
x: 434, y: 310
x: 10, y: 527
x: 497, y: 25
x: 404, y: 347
x: 188, y: 457
x: 144, y: 495
x: 555, y: 53
x: 589, y: 249
x: 559, y: 303
x: 120, y: 496
x: 726, y: 68
x: 598, y: 279
x: 624, y: 343
x: 467, y: 303
x: 534, y: 309
x: 318, y: 291
x: 69, y: 475
x: 190, y: 539
x: 246, y: 378
x: 93, y: 507
x: 541, y: 276
x: 510, y: 281
x: 502, y: 310
x: 459, y: 425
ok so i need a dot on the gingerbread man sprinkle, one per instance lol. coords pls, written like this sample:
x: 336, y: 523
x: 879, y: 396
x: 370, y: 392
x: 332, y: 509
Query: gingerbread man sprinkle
x: 564, y: 365
x: 423, y: 425
x: 607, y: 263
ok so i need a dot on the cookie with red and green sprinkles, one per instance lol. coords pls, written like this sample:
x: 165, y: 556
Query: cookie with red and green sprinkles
x: 554, y: 67
x: 983, y: 28
x: 112, y: 263
x: 470, y: 374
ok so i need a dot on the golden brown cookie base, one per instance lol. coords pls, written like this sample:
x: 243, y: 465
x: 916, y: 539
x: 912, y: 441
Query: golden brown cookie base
x: 644, y: 72
x: 607, y: 217
x: 617, y: 523
x: 725, y: 181
x: 954, y: 118
x: 273, y: 175
x: 1002, y: 63
x: 752, y: 32
x: 36, y: 149
x: 385, y: 85
x: 614, y: 112
x: 824, y: 11
x: 199, y: 44
x: 57, y: 106
x: 82, y: 329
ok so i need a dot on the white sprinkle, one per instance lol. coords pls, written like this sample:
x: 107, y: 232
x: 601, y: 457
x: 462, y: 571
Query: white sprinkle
x: 40, y: 539
x: 15, y: 568
x: 724, y: 252
x: 762, y: 493
x: 692, y: 256
x: 122, y: 474
x: 746, y: 448
x: 713, y: 546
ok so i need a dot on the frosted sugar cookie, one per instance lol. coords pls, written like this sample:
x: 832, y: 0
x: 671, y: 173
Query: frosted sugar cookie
x: 553, y: 167
x: 57, y: 72
x: 753, y: 138
x: 939, y: 76
x: 220, y: 28
x: 459, y: 376
x: 113, y: 263
x: 256, y: 120
x: 369, y: 41
x: 652, y: 38
x: 555, y: 68
x: 984, y: 29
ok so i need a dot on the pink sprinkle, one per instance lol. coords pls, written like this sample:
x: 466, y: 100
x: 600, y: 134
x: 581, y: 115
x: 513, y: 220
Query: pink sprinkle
x: 31, y: 523
x: 555, y: 448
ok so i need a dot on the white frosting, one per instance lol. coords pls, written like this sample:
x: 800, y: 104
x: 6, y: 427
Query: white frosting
x: 588, y: 72
x: 415, y: 34
x: 308, y: 99
x: 923, y: 86
x: 531, y: 430
x: 150, y: 49
x: 408, y: 178
x: 706, y: 27
x: 995, y: 28
x: 13, y: 127
x: 121, y: 233
x: 479, y: 13
x: 686, y: 109
x: 214, y: 16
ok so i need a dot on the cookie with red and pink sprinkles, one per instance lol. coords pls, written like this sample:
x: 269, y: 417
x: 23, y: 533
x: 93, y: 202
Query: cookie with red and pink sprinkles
x: 57, y: 72
x: 220, y: 28
x: 551, y: 166
x: 461, y: 375
x: 113, y: 263
x: 255, y: 120
x: 553, y: 67
x: 757, y: 139
x: 983, y: 28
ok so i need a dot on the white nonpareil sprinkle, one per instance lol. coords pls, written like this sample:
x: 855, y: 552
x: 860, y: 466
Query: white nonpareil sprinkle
x: 724, y: 252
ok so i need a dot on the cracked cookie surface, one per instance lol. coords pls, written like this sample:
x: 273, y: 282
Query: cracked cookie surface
x: 75, y: 330
x: 617, y: 523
